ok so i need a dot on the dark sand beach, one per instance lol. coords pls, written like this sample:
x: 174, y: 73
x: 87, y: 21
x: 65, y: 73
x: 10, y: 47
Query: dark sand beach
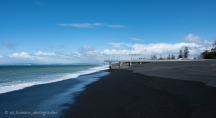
x: 152, y: 90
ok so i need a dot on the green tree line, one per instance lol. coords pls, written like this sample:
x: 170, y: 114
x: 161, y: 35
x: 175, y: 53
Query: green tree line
x: 210, y: 54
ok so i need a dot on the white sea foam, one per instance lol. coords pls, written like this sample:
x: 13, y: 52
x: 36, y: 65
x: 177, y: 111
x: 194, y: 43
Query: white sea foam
x: 4, y: 88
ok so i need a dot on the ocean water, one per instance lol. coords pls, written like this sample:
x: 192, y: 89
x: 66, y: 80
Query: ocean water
x: 37, y: 91
x: 18, y: 77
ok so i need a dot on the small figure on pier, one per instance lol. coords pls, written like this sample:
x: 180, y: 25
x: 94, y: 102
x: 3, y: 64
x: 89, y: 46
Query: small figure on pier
x: 110, y: 65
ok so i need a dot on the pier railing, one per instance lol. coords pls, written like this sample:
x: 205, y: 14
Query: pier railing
x: 115, y: 64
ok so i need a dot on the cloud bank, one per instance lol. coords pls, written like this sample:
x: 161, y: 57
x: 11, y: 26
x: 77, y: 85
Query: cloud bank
x: 117, y: 51
x: 195, y: 44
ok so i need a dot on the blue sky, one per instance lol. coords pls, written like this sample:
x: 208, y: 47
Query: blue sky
x: 66, y: 26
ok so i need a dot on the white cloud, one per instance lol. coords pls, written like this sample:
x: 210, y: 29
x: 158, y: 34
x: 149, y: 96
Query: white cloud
x: 90, y: 25
x: 82, y: 25
x: 89, y: 54
x: 41, y: 57
x: 191, y: 38
x: 162, y: 49
x: 84, y: 54
x: 41, y: 53
x: 87, y: 50
x: 21, y: 55
x: 116, y: 52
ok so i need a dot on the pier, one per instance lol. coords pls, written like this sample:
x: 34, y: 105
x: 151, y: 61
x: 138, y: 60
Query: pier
x: 124, y: 64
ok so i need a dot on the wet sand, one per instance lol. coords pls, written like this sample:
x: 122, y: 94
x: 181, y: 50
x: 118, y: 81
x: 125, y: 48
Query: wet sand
x: 139, y: 93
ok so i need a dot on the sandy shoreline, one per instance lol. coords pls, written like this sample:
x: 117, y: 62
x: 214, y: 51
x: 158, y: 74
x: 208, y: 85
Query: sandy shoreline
x: 141, y: 94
